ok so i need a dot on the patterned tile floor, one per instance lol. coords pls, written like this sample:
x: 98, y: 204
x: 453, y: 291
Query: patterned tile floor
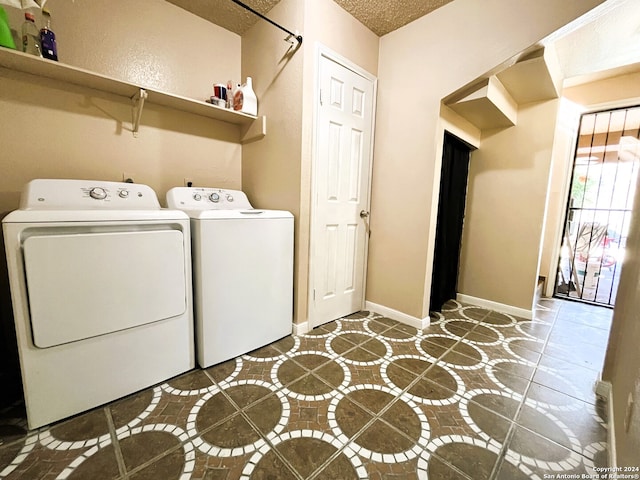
x: 477, y: 395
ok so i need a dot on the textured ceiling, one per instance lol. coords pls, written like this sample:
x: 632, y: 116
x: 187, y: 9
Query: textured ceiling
x: 380, y: 16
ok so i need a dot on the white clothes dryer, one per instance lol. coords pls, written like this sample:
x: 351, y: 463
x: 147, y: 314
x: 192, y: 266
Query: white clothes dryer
x: 100, y: 281
x: 242, y: 271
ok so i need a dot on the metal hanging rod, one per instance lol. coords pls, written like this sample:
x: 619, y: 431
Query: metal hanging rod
x: 247, y: 7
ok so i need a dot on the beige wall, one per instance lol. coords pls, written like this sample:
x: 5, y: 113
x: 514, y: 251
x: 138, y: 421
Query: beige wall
x: 52, y: 129
x: 508, y: 179
x: 271, y: 167
x: 419, y: 65
x: 622, y: 362
x: 276, y: 171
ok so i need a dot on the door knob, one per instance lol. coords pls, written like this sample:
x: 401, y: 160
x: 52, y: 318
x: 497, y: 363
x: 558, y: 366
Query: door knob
x: 364, y: 214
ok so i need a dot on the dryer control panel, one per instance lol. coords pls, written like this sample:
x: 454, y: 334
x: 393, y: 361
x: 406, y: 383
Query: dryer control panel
x: 53, y: 194
x: 203, y: 198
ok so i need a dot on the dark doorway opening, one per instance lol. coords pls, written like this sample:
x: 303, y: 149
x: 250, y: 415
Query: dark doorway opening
x: 451, y: 207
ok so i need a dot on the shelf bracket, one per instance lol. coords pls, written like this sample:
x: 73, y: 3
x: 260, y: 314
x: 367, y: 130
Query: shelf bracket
x: 138, y: 103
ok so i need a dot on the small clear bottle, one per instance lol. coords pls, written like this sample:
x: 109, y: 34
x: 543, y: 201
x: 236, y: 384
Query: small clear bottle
x: 48, y: 38
x: 30, y: 35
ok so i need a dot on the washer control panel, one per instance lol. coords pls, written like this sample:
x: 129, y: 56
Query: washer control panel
x: 87, y: 194
x: 201, y: 198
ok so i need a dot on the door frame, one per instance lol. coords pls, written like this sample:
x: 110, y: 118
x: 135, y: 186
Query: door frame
x: 324, y: 51
x: 567, y: 157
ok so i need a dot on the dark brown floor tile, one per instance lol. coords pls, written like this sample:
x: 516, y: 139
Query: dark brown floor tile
x: 498, y: 319
x: 290, y: 371
x: 442, y: 377
x: 513, y: 367
x: 102, y: 464
x: 484, y: 334
x: 140, y: 448
x: 415, y: 366
x: 125, y: 410
x: 541, y: 455
x: 361, y: 354
x: 433, y: 393
x: 43, y: 463
x: 402, y: 417
x: 193, y: 380
x: 464, y: 355
x: 458, y: 328
x: 82, y: 427
x: 222, y: 371
x: 268, y: 351
x: 214, y: 411
x: 233, y: 432
x: 267, y: 413
x: 382, y: 438
x: 443, y: 471
x: 508, y: 471
x: 351, y: 417
x: 169, y: 467
x: 305, y: 455
x: 270, y: 466
x: 332, y: 373
x: 287, y: 344
x: 401, y: 332
x: 474, y: 313
x: 322, y: 330
x: 245, y: 395
x: 310, y: 385
x: 474, y: 461
x: 384, y: 323
x: 502, y: 403
x: 549, y: 426
x: 435, y: 345
x: 340, y: 467
x: 495, y: 425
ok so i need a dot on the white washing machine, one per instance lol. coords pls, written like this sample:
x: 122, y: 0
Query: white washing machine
x: 242, y: 271
x: 100, y: 280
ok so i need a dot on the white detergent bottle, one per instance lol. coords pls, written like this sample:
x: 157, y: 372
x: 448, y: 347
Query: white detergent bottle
x: 250, y: 102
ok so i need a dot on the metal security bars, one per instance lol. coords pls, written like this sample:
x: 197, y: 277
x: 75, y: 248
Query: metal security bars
x: 603, y: 184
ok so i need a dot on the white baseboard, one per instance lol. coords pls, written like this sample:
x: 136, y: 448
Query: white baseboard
x: 419, y: 323
x: 498, y: 307
x: 301, y: 328
x: 603, y: 389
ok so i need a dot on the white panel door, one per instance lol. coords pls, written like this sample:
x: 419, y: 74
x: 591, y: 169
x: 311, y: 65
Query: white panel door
x: 342, y: 182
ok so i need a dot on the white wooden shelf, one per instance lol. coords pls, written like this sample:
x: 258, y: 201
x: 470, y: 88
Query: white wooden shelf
x: 30, y: 64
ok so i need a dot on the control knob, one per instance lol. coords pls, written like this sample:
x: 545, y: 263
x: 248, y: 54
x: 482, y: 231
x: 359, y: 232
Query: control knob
x: 214, y: 197
x: 98, y: 193
x: 229, y: 197
x: 123, y: 193
x: 196, y: 197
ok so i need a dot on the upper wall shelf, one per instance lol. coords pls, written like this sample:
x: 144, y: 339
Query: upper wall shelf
x: 31, y: 64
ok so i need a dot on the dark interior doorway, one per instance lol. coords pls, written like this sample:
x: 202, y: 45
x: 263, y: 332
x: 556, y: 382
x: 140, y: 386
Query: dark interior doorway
x: 451, y: 207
